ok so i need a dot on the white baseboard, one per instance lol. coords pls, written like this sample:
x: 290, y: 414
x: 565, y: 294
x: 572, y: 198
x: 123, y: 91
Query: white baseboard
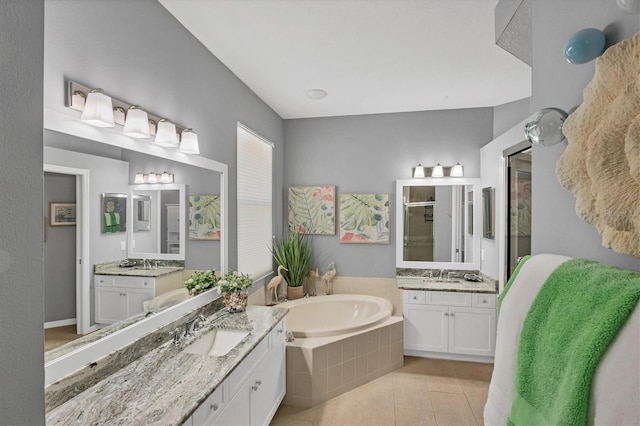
x: 60, y: 323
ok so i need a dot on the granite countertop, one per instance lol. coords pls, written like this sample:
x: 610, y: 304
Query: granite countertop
x: 166, y: 385
x: 113, y: 268
x: 430, y: 280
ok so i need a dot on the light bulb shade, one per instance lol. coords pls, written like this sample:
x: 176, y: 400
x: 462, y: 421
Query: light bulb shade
x: 152, y: 178
x: 418, y: 171
x: 166, y: 134
x: 189, y: 142
x: 139, y: 178
x: 166, y: 177
x: 137, y: 123
x: 544, y: 127
x: 437, y: 171
x: 457, y: 170
x: 98, y: 110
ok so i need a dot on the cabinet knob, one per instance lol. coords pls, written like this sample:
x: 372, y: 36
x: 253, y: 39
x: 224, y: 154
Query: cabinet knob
x: 452, y: 314
x: 254, y: 387
x: 258, y: 382
x: 446, y: 314
x: 280, y: 331
x: 215, y: 406
x: 415, y: 297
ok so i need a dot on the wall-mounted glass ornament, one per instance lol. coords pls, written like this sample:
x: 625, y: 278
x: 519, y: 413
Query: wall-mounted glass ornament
x: 584, y: 46
x: 544, y: 127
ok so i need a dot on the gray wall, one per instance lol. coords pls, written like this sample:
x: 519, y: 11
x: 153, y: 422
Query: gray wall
x: 368, y: 153
x: 140, y: 53
x: 21, y: 299
x: 506, y: 116
x: 59, y: 252
x: 556, y: 83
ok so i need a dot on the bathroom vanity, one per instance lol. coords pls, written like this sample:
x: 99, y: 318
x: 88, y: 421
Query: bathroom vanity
x: 171, y: 386
x: 448, y: 318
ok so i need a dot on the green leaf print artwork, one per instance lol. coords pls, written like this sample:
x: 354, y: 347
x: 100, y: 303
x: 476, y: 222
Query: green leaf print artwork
x: 364, y: 218
x: 204, y: 217
x: 312, y: 209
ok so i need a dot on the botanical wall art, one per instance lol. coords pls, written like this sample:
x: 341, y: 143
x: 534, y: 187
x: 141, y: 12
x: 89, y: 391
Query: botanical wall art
x: 601, y: 165
x: 204, y: 217
x: 364, y: 218
x: 114, y: 213
x: 312, y: 209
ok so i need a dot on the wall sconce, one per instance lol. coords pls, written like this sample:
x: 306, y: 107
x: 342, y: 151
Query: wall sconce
x: 102, y: 110
x: 153, y: 177
x: 437, y: 171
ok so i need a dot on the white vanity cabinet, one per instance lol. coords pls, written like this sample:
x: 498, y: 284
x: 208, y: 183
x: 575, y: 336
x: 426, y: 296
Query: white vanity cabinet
x: 253, y: 391
x: 119, y: 297
x: 449, y: 323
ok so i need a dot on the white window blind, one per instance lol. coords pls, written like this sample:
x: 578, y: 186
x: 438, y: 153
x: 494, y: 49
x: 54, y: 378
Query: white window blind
x: 255, y: 203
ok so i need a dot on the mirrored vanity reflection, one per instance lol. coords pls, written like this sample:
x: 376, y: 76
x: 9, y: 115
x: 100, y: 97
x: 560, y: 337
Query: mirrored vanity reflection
x: 435, y: 223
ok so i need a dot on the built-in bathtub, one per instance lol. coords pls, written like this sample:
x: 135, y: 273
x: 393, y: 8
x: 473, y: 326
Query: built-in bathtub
x: 341, y: 341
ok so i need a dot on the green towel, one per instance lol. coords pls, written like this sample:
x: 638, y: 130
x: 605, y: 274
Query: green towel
x: 512, y: 278
x: 573, y: 319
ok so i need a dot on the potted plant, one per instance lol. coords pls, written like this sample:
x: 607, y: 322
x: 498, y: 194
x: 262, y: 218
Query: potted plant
x: 234, y: 285
x: 293, y: 253
x: 200, y: 281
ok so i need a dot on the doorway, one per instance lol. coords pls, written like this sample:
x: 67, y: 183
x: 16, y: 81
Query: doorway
x: 518, y: 208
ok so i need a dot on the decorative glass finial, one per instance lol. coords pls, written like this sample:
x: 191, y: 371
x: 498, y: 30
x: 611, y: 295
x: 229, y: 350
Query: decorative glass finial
x: 544, y: 127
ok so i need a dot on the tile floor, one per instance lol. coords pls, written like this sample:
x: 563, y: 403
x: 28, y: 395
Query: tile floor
x: 423, y: 392
x: 58, y: 336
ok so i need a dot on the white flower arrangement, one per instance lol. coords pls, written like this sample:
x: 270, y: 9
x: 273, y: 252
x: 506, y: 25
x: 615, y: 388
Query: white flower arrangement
x: 233, y: 281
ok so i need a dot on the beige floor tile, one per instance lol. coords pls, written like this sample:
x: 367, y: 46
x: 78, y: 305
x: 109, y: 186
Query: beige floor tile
x: 451, y: 409
x: 409, y: 417
x: 297, y: 413
x: 410, y: 392
x: 477, y: 399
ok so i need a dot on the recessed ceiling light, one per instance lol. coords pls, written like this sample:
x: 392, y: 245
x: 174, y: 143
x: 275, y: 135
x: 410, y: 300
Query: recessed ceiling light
x: 316, y: 93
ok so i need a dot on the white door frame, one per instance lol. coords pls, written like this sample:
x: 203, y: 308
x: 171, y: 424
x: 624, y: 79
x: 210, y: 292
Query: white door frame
x: 83, y: 277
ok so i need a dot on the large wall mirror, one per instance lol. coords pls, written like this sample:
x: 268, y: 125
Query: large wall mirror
x: 104, y: 161
x: 437, y: 223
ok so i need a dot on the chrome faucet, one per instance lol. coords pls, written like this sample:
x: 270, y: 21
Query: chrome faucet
x: 147, y: 264
x: 177, y: 336
x: 191, y: 326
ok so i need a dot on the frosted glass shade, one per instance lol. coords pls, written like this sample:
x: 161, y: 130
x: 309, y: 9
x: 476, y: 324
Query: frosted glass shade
x: 98, y: 110
x: 166, y: 177
x: 544, y: 127
x: 166, y: 134
x: 139, y: 178
x: 437, y: 171
x: 189, y: 142
x: 457, y: 171
x: 137, y: 123
x: 418, y: 171
x: 152, y: 178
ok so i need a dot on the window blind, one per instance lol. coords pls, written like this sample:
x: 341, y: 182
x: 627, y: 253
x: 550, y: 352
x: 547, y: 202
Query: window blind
x: 255, y: 203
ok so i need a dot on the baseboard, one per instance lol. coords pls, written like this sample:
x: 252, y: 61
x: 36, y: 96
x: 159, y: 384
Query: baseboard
x: 449, y: 356
x: 60, y: 323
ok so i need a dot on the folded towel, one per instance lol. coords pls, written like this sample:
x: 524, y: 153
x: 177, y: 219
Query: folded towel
x: 573, y: 319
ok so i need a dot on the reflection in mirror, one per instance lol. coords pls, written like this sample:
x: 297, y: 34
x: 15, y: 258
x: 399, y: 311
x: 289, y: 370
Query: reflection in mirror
x: 488, y: 200
x: 435, y: 223
x: 141, y: 212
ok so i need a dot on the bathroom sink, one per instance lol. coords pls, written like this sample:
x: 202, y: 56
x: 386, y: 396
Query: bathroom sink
x: 217, y: 342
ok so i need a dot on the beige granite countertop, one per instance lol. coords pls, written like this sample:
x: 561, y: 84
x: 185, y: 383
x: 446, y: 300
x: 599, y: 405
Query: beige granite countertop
x: 137, y: 271
x: 428, y: 284
x: 165, y: 386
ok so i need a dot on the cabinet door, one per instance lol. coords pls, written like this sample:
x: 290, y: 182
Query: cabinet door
x: 237, y: 412
x: 472, y: 331
x: 135, y: 298
x: 426, y: 328
x: 110, y: 305
x: 267, y: 387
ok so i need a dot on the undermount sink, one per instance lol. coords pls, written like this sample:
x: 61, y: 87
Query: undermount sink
x: 217, y: 342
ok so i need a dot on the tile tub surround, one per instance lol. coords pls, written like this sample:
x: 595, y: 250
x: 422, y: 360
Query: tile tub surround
x: 164, y: 267
x: 321, y: 368
x: 166, y: 385
x: 421, y: 279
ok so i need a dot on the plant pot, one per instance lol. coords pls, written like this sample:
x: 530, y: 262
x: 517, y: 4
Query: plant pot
x: 295, y: 292
x: 236, y: 301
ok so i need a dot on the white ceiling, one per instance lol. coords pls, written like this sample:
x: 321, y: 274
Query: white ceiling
x: 371, y: 56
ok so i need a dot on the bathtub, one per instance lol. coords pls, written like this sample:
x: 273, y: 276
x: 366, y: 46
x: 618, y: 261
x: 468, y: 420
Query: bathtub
x: 335, y: 314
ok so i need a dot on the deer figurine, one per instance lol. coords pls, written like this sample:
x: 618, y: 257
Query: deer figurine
x: 273, y: 285
x: 311, y: 282
x: 328, y: 276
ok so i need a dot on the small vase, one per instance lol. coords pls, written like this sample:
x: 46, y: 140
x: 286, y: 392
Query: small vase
x: 236, y: 301
x: 294, y: 292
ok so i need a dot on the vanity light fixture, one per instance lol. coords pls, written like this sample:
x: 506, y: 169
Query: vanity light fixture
x: 437, y: 171
x: 166, y: 177
x: 457, y: 170
x: 139, y: 178
x: 418, y: 171
x: 152, y: 177
x: 136, y: 124
x: 102, y: 110
x: 98, y: 109
x: 189, y: 142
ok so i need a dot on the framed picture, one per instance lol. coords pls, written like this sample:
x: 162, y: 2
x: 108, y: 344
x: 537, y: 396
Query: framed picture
x: 62, y: 214
x: 364, y: 218
x: 204, y: 217
x: 312, y: 209
x: 113, y: 213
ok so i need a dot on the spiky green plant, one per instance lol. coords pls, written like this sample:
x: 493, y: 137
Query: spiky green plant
x: 294, y: 253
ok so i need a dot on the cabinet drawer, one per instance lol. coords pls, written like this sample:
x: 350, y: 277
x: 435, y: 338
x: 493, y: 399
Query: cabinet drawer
x: 134, y: 282
x: 414, y: 297
x: 484, y: 300
x: 448, y: 298
x: 103, y: 280
x: 211, y: 407
x: 242, y: 371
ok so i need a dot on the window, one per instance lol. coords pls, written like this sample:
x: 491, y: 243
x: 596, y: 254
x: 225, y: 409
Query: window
x: 255, y: 203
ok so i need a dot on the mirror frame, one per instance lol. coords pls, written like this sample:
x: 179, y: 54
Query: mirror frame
x: 71, y: 125
x: 399, y: 221
x: 181, y: 188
